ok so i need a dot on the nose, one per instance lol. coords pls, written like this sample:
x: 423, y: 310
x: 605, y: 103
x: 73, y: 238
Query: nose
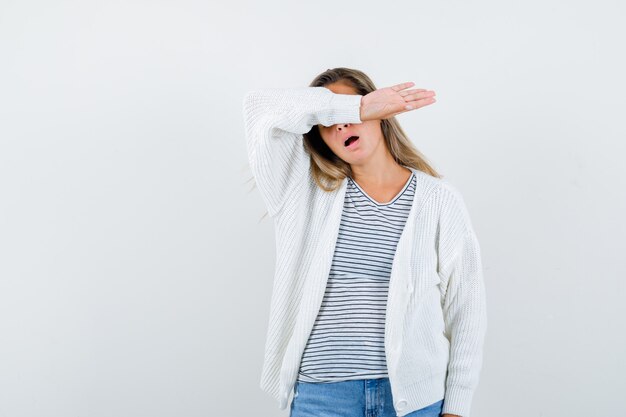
x: 342, y: 125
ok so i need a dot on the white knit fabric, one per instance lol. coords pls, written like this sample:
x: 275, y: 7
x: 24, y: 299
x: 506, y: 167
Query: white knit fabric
x: 436, y: 316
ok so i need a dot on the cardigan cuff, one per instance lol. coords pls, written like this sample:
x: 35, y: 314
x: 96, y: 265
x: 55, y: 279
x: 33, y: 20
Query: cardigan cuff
x: 458, y: 401
x: 346, y: 108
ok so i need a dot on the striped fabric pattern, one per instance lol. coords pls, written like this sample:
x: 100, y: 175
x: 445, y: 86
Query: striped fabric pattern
x: 347, y: 339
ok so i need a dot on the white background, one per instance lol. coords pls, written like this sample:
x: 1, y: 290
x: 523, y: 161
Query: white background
x: 135, y: 269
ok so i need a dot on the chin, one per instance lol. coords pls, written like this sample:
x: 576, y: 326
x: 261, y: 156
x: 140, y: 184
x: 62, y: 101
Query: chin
x: 354, y: 161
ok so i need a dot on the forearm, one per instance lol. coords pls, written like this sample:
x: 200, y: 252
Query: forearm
x: 274, y: 121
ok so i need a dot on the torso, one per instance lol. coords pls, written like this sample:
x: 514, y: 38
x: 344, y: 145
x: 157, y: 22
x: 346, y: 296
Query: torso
x: 347, y: 340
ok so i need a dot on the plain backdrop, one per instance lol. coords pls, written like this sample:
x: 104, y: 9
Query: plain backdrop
x: 135, y: 263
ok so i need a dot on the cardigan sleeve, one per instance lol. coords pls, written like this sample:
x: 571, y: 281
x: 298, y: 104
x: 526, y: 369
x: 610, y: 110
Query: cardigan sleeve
x: 275, y: 120
x: 464, y: 304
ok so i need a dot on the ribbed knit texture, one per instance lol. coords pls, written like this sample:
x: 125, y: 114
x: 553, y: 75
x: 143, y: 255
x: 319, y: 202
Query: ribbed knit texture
x: 436, y: 316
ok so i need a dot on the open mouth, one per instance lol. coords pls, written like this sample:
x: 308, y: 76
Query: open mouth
x: 351, y: 140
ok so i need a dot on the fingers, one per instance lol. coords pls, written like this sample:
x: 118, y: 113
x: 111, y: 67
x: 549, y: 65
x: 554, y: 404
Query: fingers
x: 418, y: 98
x: 415, y: 98
x: 416, y: 104
x: 412, y: 92
x: 412, y: 95
x: 408, y: 92
x: 402, y: 86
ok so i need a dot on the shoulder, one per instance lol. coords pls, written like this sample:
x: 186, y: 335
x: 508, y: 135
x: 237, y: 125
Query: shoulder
x: 450, y: 191
x: 446, y: 199
x: 438, y: 188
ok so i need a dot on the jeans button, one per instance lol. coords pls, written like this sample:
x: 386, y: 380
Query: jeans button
x: 400, y: 405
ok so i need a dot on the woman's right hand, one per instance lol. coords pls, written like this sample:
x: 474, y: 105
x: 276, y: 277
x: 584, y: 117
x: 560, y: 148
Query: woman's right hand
x: 390, y: 101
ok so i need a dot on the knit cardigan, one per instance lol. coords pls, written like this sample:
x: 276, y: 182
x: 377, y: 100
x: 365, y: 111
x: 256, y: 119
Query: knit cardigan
x: 436, y: 316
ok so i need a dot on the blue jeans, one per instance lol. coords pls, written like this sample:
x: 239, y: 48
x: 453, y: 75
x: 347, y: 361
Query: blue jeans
x: 353, y: 398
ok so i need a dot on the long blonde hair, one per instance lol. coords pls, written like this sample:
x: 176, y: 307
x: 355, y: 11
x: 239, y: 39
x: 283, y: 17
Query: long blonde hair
x: 328, y: 169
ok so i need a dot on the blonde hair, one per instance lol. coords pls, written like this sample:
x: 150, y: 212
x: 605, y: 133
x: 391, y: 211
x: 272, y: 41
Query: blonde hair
x: 328, y: 169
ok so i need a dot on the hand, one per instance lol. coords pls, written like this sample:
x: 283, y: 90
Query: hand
x: 390, y: 101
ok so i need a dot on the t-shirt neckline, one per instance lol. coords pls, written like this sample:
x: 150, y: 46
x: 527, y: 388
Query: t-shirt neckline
x: 393, y: 200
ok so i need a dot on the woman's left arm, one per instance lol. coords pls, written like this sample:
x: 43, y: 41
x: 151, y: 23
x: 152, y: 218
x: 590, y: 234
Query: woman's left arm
x: 464, y: 305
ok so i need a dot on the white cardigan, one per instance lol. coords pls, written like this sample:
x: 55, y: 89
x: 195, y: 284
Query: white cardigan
x: 436, y: 316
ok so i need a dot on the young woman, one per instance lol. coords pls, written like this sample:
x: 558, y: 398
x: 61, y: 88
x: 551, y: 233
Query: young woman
x: 378, y: 304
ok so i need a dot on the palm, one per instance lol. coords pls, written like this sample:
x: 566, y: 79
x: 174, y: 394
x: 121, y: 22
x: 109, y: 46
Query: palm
x: 390, y: 101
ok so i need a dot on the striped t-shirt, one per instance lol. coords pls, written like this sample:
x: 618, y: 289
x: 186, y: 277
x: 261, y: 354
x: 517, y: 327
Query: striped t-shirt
x: 347, y: 339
